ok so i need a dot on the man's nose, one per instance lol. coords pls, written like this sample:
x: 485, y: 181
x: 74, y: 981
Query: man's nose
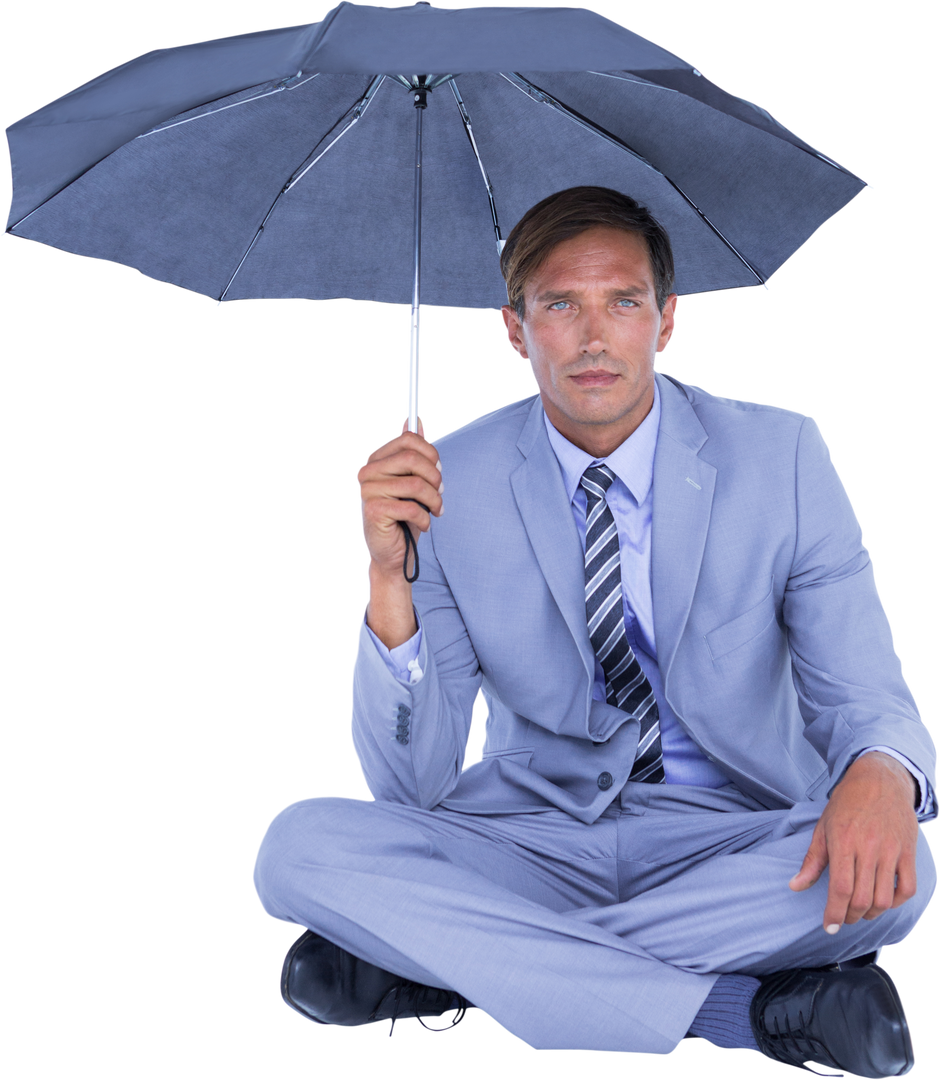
x: 593, y: 332
x: 594, y: 347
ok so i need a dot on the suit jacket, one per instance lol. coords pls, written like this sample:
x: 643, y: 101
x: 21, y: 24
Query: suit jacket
x: 774, y: 650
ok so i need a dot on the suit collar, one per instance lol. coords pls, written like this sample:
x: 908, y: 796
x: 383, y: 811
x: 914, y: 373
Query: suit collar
x: 631, y: 462
x: 677, y: 419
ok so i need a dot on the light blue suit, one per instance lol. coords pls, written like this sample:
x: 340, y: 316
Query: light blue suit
x: 626, y: 898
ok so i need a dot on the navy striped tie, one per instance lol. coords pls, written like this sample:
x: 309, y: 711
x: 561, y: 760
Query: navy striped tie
x: 627, y: 687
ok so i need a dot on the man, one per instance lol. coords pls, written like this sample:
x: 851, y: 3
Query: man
x: 695, y: 712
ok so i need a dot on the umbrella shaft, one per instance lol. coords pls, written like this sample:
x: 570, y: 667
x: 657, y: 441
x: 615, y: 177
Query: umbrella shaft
x: 416, y: 289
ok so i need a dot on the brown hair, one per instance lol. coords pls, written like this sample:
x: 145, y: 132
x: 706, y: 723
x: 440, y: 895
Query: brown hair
x: 568, y: 213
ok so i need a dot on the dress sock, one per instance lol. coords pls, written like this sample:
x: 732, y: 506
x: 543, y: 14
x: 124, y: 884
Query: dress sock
x: 725, y: 1015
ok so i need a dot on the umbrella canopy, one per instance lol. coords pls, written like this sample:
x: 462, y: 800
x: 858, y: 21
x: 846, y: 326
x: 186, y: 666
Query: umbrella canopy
x: 281, y: 164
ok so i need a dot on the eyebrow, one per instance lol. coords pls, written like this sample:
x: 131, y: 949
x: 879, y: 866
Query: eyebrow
x: 551, y: 295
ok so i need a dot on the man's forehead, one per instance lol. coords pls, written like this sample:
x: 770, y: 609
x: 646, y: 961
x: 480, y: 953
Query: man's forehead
x: 604, y: 258
x: 555, y: 282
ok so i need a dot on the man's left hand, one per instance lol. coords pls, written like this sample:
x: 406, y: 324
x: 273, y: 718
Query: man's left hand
x: 867, y: 836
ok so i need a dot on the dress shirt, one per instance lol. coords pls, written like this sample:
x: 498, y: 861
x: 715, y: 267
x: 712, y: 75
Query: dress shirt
x: 630, y: 498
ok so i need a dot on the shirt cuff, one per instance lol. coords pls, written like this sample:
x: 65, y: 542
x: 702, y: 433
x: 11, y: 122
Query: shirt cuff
x: 925, y: 795
x: 402, y: 661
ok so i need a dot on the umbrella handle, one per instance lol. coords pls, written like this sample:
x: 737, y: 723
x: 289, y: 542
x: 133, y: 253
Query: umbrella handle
x: 412, y: 546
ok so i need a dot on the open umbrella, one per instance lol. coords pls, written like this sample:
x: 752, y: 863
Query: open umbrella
x: 290, y: 163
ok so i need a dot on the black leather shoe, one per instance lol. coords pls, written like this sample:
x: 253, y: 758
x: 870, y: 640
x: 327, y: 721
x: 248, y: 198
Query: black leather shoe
x: 850, y: 1019
x: 331, y: 986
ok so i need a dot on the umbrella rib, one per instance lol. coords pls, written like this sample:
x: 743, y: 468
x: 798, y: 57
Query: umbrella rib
x: 267, y: 93
x: 468, y: 127
x: 357, y: 113
x: 531, y: 90
x: 282, y: 85
x: 638, y: 80
x: 800, y: 145
x: 537, y: 94
x: 430, y: 82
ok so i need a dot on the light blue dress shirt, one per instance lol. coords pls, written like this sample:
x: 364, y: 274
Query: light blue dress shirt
x: 630, y: 498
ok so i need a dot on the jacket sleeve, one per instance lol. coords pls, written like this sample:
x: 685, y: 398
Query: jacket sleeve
x: 847, y: 676
x: 411, y: 738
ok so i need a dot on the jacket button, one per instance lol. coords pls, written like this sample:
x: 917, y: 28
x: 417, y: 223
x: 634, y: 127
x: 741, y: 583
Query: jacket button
x: 604, y: 781
x: 403, y: 739
x: 403, y: 710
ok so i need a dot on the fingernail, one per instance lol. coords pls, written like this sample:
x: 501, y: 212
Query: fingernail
x: 440, y: 490
x: 439, y: 466
x: 832, y: 928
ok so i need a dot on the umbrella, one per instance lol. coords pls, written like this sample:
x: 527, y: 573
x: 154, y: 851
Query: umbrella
x: 290, y: 163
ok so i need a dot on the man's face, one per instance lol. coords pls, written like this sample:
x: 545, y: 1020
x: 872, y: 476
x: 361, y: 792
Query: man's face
x: 592, y: 329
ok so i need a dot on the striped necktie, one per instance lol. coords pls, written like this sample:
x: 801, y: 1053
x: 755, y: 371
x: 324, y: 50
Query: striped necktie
x: 627, y: 687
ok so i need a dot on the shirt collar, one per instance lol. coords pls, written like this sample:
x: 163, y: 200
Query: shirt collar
x: 631, y: 462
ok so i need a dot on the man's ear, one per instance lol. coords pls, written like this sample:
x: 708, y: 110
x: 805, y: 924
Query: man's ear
x: 668, y: 322
x: 512, y: 327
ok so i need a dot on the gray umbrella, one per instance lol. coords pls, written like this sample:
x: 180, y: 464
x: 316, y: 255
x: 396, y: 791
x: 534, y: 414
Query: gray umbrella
x: 290, y: 163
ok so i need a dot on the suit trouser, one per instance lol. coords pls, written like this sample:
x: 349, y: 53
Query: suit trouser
x: 606, y: 936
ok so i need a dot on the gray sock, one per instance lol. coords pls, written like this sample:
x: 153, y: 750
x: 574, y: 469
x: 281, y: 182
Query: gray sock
x: 725, y: 1016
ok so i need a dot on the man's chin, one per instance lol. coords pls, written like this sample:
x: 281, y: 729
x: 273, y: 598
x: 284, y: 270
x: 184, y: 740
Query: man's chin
x: 599, y: 413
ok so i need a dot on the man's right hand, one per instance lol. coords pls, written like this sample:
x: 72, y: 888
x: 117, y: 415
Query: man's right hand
x: 405, y: 468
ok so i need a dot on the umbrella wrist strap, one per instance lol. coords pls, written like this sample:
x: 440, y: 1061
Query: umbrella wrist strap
x: 410, y: 545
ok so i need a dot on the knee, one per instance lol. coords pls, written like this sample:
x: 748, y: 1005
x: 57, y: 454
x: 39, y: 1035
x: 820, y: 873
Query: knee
x: 299, y: 838
x: 926, y: 877
x: 905, y: 917
x: 294, y: 839
x: 269, y: 861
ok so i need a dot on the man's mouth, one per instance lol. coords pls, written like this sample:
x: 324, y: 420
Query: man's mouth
x: 595, y: 377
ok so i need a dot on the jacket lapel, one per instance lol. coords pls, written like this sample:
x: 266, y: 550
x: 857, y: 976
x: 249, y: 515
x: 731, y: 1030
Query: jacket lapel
x: 683, y: 488
x: 542, y: 500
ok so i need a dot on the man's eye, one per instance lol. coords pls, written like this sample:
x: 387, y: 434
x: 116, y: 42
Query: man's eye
x: 622, y: 299
x: 558, y: 305
x: 627, y: 303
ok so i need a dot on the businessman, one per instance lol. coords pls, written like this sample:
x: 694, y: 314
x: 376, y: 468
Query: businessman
x: 697, y: 809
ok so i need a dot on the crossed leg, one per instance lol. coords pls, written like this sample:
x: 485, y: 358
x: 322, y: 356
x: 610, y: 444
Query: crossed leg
x: 605, y: 936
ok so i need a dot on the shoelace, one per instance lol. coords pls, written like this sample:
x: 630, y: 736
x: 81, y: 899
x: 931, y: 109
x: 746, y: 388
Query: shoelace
x: 797, y: 1041
x: 408, y: 990
x: 457, y: 1020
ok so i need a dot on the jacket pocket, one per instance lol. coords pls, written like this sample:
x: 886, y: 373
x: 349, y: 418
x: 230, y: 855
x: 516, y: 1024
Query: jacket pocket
x: 520, y: 754
x: 732, y: 635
